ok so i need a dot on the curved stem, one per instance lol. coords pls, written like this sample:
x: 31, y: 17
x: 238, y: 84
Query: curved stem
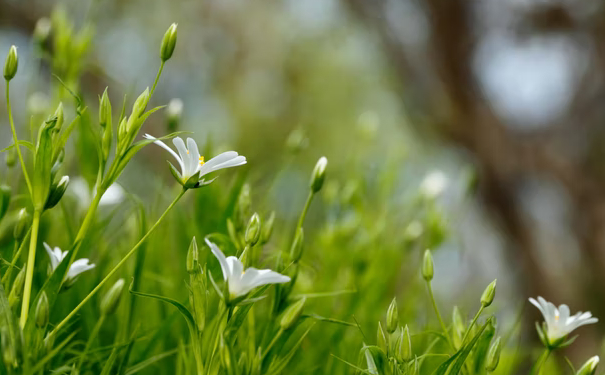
x: 468, y: 330
x: 29, y: 273
x: 275, y: 338
x: 7, y: 276
x: 12, y: 124
x: 157, y: 78
x: 443, y: 327
x: 93, y: 334
x: 117, y: 266
x: 541, y: 361
x: 303, y: 214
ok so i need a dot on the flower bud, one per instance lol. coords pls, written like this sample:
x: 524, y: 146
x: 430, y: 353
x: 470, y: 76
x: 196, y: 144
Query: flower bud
x: 296, y: 141
x: 106, y: 141
x: 192, y: 257
x: 590, y: 367
x: 493, y: 355
x: 138, y: 108
x: 427, y: 266
x: 319, y: 174
x: 42, y: 311
x: 488, y: 294
x: 233, y: 235
x: 392, y: 317
x: 11, y: 157
x: 458, y: 327
x: 381, y: 338
x: 22, y: 225
x: 168, y: 43
x: 404, y: 347
x: 267, y: 228
x: 104, y: 110
x: 253, y: 230
x: 297, y: 246
x: 11, y: 64
x: 17, y: 290
x: 59, y: 113
x: 292, y: 314
x: 112, y: 298
x: 57, y: 191
x: 42, y: 30
x: 5, y: 198
x: 244, y: 202
x: 9, y: 352
x: 174, y: 110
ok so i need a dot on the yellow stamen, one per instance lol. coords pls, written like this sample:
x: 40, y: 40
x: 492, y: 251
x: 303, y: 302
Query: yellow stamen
x: 187, y: 152
x: 202, y: 160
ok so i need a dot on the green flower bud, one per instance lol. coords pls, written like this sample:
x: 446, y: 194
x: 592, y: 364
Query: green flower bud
x: 17, y: 290
x: 427, y: 266
x: 5, y: 198
x: 292, y: 314
x: 493, y: 355
x: 458, y: 327
x: 105, y: 110
x: 192, y: 257
x: 590, y: 367
x: 197, y: 299
x: 174, y: 110
x: 11, y: 64
x: 24, y: 221
x: 11, y: 157
x: 42, y: 30
x: 297, y: 246
x: 43, y: 163
x: 57, y: 191
x: 253, y: 231
x: 488, y: 295
x: 392, y: 317
x: 59, y: 113
x: 381, y: 340
x: 168, y: 43
x: 138, y: 108
x: 319, y: 174
x: 9, y: 352
x: 404, y: 347
x: 110, y: 301
x: 244, y: 203
x: 267, y: 229
x: 42, y: 311
x: 233, y: 235
x: 106, y: 141
x: 296, y: 141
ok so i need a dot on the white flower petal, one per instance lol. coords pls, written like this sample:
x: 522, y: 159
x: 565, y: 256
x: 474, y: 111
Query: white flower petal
x: 79, y: 266
x: 253, y: 278
x: 113, y: 195
x: 180, y: 146
x: 54, y: 261
x: 218, y: 159
x: 194, y: 156
x: 171, y: 151
x: 221, y: 259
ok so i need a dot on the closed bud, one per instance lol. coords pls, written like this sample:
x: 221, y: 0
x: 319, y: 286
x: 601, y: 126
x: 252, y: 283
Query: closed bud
x: 233, y: 235
x: 9, y: 352
x: 57, y: 190
x: 244, y: 202
x: 297, y: 246
x: 381, y: 338
x: 192, y: 257
x: 11, y: 64
x: 488, y: 295
x: 427, y: 266
x: 17, y: 289
x: 267, y: 229
x: 11, y: 157
x: 104, y: 110
x: 106, y: 141
x: 404, y: 347
x: 5, y: 198
x: 122, y: 132
x: 112, y: 298
x: 59, y: 113
x: 22, y: 225
x: 590, y: 367
x: 319, y: 174
x: 392, y: 317
x: 296, y: 141
x: 292, y: 314
x: 493, y: 355
x: 253, y: 230
x: 42, y: 30
x: 168, y: 43
x: 174, y: 111
x: 138, y: 108
x: 42, y: 311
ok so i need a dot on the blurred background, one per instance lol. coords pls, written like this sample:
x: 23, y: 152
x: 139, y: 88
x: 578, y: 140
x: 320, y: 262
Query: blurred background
x: 475, y: 128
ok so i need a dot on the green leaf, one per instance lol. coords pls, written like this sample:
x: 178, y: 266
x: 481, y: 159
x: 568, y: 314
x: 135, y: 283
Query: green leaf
x: 453, y: 365
x: 30, y: 146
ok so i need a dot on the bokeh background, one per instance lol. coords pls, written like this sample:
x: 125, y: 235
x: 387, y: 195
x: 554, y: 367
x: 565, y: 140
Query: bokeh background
x: 475, y: 128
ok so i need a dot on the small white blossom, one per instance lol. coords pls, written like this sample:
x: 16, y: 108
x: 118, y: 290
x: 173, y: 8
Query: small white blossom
x: 434, y: 184
x: 193, y: 164
x: 76, y: 268
x: 559, y: 322
x: 240, y: 282
x: 81, y: 190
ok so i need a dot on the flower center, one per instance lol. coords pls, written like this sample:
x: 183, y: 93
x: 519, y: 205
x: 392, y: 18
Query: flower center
x: 202, y: 160
x: 556, y: 317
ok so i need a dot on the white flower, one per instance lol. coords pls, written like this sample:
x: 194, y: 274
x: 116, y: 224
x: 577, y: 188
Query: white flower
x: 559, y: 323
x: 192, y: 164
x: 434, y: 184
x: 241, y: 282
x: 80, y: 188
x: 76, y: 268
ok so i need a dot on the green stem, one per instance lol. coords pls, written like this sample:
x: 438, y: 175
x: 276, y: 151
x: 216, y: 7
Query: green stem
x: 16, y: 140
x: 117, y: 266
x: 90, y: 214
x: 16, y: 252
x: 29, y: 273
x: 443, y: 327
x: 468, y: 330
x: 275, y: 338
x: 541, y: 361
x: 93, y: 334
x: 216, y: 336
x: 157, y: 78
x: 303, y: 214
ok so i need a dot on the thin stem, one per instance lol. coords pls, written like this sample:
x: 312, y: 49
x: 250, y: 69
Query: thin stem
x: 157, y: 78
x: 16, y: 252
x: 303, y: 214
x: 90, y: 214
x: 215, y: 334
x: 541, y: 361
x: 93, y: 334
x: 443, y: 327
x: 468, y: 330
x: 275, y: 338
x: 117, y: 266
x: 29, y: 273
x: 15, y: 139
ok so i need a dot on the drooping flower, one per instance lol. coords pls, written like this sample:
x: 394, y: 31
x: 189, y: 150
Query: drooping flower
x: 76, y: 268
x: 239, y: 281
x: 193, y: 165
x: 559, y: 322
